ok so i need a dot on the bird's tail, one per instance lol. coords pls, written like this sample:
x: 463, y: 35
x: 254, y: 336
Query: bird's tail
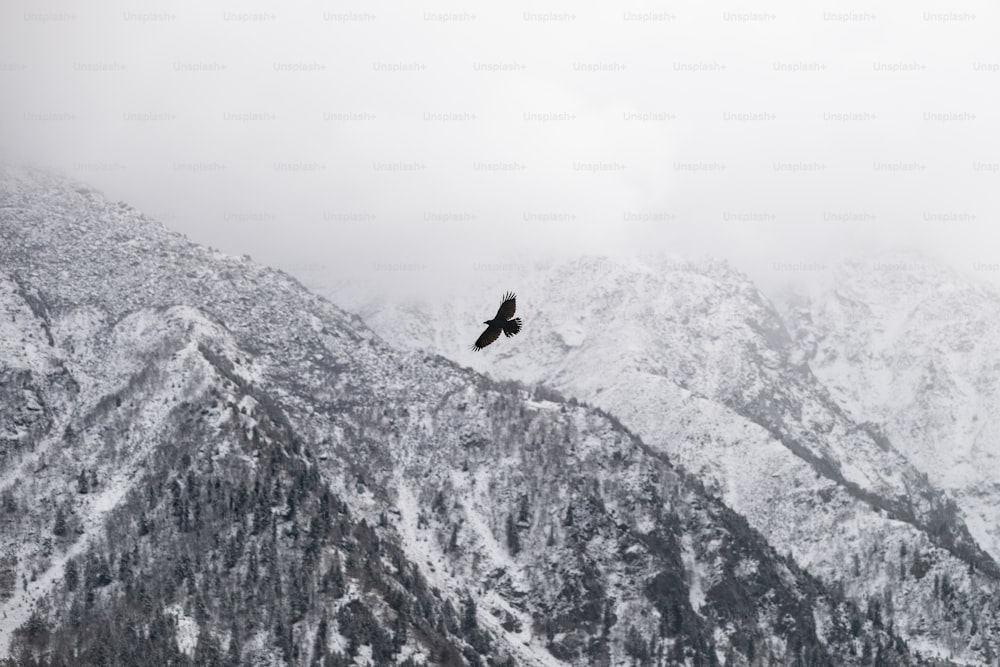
x: 511, y: 327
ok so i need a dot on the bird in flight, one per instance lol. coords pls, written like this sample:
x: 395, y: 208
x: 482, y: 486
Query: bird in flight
x: 501, y: 323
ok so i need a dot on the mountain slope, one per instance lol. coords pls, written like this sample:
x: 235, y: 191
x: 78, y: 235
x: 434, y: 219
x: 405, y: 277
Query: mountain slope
x: 203, y: 463
x: 913, y: 346
x: 692, y: 358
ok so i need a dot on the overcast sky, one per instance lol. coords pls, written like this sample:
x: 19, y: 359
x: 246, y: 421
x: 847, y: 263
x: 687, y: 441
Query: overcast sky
x: 350, y: 137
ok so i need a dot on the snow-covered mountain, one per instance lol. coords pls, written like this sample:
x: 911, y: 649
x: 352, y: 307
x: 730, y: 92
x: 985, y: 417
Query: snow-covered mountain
x: 201, y: 462
x: 915, y: 347
x: 698, y: 363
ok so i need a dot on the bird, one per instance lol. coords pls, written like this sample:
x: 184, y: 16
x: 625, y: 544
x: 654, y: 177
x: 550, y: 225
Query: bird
x: 501, y: 323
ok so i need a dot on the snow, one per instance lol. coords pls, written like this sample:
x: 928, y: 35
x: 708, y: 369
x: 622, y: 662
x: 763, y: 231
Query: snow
x: 23, y: 343
x: 679, y: 353
x: 364, y: 656
x: 572, y: 334
x: 103, y: 367
x: 919, y: 356
x: 542, y: 405
x: 694, y: 573
x: 691, y: 358
x: 16, y: 610
x: 422, y: 548
x: 187, y: 629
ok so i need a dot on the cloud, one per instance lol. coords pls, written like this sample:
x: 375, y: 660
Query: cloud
x: 355, y: 135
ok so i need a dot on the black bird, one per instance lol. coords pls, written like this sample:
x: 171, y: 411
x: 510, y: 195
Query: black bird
x: 501, y: 322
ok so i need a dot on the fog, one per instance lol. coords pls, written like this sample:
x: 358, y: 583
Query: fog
x: 416, y: 142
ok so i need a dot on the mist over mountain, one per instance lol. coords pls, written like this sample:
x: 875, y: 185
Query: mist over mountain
x: 204, y: 463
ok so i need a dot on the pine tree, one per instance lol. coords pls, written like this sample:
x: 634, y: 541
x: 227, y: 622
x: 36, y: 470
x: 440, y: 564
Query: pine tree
x: 524, y: 511
x: 469, y: 623
x: 71, y: 575
x: 319, y: 644
x: 513, y: 539
x: 59, y: 529
x: 9, y: 502
x: 234, y: 650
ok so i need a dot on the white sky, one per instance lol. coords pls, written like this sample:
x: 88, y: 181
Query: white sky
x: 150, y: 102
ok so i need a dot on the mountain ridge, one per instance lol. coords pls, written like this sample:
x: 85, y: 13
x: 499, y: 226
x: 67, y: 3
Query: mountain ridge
x: 234, y: 470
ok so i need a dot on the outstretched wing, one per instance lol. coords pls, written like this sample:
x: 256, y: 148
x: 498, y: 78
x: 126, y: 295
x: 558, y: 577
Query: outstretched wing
x: 508, y: 306
x: 487, y: 337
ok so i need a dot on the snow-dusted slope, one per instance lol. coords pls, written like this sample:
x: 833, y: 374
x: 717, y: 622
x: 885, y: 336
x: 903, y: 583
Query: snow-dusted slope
x: 698, y: 363
x: 205, y: 463
x: 915, y: 347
